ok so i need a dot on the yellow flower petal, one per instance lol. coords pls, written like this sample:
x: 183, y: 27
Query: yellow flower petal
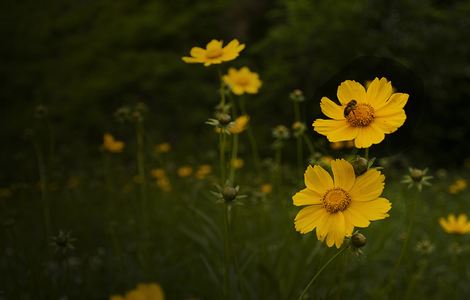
x: 366, y: 136
x: 369, y: 186
x: 343, y: 173
x: 308, y: 218
x: 393, y: 106
x: 306, y: 197
x: 355, y: 218
x: 335, y: 130
x: 372, y: 210
x: 214, y: 44
x: 331, y: 109
x: 338, y: 229
x: 378, y: 92
x: 197, y: 52
x: 351, y: 90
x: 318, y: 180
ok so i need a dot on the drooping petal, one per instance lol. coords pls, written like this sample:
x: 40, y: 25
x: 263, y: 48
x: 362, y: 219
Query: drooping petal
x: 331, y: 109
x: 378, y: 92
x: 307, y: 197
x: 308, y: 218
x: 318, y: 180
x: 372, y: 210
x: 369, y: 186
x: 366, y: 136
x: 343, y: 173
x: 351, y: 90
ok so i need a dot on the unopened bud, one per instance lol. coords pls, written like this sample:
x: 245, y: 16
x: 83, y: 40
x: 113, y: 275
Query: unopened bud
x: 358, y: 240
x: 360, y: 165
x: 416, y: 174
x: 229, y: 193
x: 223, y: 118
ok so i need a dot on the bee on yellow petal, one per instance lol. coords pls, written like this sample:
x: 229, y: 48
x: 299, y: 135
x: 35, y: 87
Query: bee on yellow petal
x: 112, y: 145
x: 185, y: 171
x: 242, y: 81
x: 214, y: 53
x: 455, y: 225
x: 364, y: 116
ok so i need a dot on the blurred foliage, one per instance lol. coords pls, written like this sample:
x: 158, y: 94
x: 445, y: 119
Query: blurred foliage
x: 83, y: 59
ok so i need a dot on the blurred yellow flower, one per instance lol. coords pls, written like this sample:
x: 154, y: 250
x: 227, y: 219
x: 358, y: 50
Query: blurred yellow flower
x: 215, y: 53
x: 239, y: 125
x: 73, y: 182
x: 112, y: 145
x: 203, y: 171
x: 237, y: 163
x: 185, y: 171
x: 266, y: 188
x: 164, y: 184
x: 143, y: 291
x: 458, y: 186
x: 242, y: 81
x: 459, y: 225
x: 363, y: 116
x: 336, y: 205
x: 163, y: 148
x: 5, y: 193
x: 158, y: 173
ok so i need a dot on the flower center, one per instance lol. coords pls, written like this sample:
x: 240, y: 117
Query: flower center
x: 360, y: 115
x: 214, y: 53
x: 336, y: 200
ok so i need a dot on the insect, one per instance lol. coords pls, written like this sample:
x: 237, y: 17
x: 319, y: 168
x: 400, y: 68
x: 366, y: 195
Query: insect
x: 349, y: 107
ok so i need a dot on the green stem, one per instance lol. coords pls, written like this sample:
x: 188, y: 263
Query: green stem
x: 222, y: 157
x: 309, y: 143
x: 252, y: 139
x: 297, y: 111
x: 43, y: 185
x: 299, y: 155
x: 227, y: 251
x: 319, y: 272
x: 141, y: 166
x: 278, y: 162
x: 366, y: 154
x: 414, y: 280
x: 234, y: 158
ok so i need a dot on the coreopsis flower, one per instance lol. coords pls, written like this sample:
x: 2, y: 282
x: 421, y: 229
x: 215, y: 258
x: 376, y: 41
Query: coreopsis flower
x: 112, y: 145
x: 297, y: 96
x: 163, y: 148
x: 458, y: 186
x: 143, y: 291
x: 158, y: 173
x: 185, y: 171
x: 63, y: 243
x: 242, y: 81
x: 334, y: 206
x: 203, y: 171
x: 266, y: 188
x: 239, y: 125
x: 237, y: 163
x: 425, y: 247
x: 417, y: 177
x: 364, y: 116
x: 164, y: 184
x: 214, y: 53
x: 453, y: 225
x: 298, y: 128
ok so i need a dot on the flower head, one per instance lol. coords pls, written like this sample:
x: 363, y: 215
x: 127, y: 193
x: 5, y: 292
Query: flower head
x: 112, y: 145
x: 334, y: 206
x: 158, y: 173
x: 363, y: 116
x: 203, y: 171
x: 185, y: 171
x: 266, y: 188
x: 454, y: 225
x: 242, y: 81
x: 163, y: 148
x: 214, y: 53
x: 458, y: 186
x: 239, y: 125
x: 237, y: 163
x: 417, y: 177
x: 147, y: 291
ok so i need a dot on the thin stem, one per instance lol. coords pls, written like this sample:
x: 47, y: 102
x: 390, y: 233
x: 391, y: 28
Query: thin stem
x: 319, y: 272
x: 141, y: 166
x: 366, y: 153
x: 43, y: 184
x: 233, y: 158
x: 309, y: 143
x: 251, y: 137
x: 222, y: 157
x: 299, y: 154
x: 227, y: 251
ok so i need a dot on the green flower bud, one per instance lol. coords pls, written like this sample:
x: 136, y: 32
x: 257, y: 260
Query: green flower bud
x: 360, y: 165
x: 229, y: 193
x: 358, y: 240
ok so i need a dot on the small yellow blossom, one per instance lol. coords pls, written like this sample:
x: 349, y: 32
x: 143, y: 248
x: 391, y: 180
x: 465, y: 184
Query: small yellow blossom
x: 163, y: 148
x: 242, y: 81
x: 143, y: 291
x: 458, y: 186
x: 215, y: 53
x: 237, y: 163
x: 459, y: 225
x: 158, y: 173
x: 266, y: 188
x: 203, y: 171
x: 164, y: 184
x: 239, y: 125
x: 185, y: 171
x: 112, y: 145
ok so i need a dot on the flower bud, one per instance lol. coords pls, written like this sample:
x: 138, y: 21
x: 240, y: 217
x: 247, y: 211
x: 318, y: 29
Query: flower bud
x: 229, y: 193
x: 360, y: 165
x: 223, y: 118
x: 297, y: 96
x: 416, y: 174
x: 358, y: 240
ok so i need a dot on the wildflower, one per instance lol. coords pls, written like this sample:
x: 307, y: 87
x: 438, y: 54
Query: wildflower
x: 425, y: 247
x: 237, y: 163
x: 229, y: 193
x: 164, y: 184
x: 163, y: 148
x: 360, y: 165
x: 358, y: 240
x: 417, y: 177
x: 158, y: 173
x: 185, y: 171
x: 459, y: 225
x: 239, y: 125
x: 242, y: 81
x: 281, y: 132
x: 143, y: 291
x: 266, y: 188
x: 298, y: 128
x: 297, y: 96
x: 63, y: 243
x: 203, y: 171
x: 214, y: 53
x: 112, y: 145
x: 363, y: 116
x: 458, y: 186
x: 336, y: 206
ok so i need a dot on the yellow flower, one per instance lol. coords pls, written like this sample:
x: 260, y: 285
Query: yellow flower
x: 185, y: 171
x: 203, y: 171
x: 164, y: 184
x: 112, y: 145
x: 237, y: 163
x: 266, y: 188
x: 459, y: 225
x: 163, y: 148
x: 158, y: 173
x: 214, y: 53
x: 143, y: 291
x: 239, y: 125
x: 117, y: 297
x: 242, y: 81
x: 336, y: 205
x: 458, y: 186
x: 363, y: 116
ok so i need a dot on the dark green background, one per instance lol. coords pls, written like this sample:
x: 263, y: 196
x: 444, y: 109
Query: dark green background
x: 84, y: 59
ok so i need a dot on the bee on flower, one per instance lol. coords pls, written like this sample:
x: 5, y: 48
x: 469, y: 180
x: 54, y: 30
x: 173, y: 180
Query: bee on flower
x: 112, y: 145
x: 364, y: 116
x: 214, y: 53
x: 242, y: 81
